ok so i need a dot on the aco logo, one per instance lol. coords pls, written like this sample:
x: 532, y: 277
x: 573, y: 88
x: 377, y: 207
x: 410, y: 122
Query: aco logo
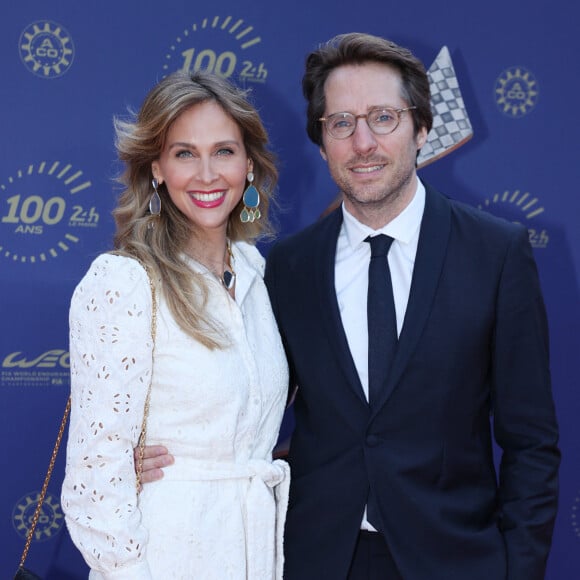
x: 520, y: 207
x: 46, y: 49
x: 50, y: 520
x: 516, y: 92
x: 224, y: 45
x: 42, y: 214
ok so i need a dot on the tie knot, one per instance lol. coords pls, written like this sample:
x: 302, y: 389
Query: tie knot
x: 379, y: 245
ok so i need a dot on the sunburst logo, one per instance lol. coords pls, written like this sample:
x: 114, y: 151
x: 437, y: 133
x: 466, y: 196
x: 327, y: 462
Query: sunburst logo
x: 520, y: 207
x: 50, y: 520
x: 46, y: 49
x: 40, y: 215
x: 225, y: 46
x: 516, y: 92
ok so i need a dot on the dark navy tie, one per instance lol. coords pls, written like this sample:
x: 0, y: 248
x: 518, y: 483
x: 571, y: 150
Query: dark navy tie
x: 382, y: 327
x: 382, y: 321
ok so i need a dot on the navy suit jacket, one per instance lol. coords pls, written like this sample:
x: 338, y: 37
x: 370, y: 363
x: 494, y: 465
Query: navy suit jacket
x: 472, y: 364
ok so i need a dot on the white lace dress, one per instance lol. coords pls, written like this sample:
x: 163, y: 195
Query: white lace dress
x: 219, y: 511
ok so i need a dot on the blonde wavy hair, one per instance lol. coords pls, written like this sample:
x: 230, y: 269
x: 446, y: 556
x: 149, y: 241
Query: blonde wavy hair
x: 160, y: 241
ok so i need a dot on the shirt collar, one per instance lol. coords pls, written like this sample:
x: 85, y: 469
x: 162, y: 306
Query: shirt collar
x: 404, y: 228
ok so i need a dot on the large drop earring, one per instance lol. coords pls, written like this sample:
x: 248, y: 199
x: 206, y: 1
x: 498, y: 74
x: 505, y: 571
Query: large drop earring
x: 251, y: 199
x: 155, y: 200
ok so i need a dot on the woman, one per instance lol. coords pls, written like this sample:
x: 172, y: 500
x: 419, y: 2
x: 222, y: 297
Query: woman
x: 195, y: 160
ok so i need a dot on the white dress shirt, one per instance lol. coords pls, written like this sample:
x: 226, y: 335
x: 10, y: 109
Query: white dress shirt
x: 351, y: 277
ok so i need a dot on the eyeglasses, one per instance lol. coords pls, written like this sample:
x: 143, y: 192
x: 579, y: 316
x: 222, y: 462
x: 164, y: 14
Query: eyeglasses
x: 381, y: 121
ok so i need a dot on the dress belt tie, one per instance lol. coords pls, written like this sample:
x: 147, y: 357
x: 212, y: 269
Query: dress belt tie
x: 263, y: 508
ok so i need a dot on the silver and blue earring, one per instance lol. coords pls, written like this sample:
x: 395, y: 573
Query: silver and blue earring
x: 251, y: 199
x: 155, y: 200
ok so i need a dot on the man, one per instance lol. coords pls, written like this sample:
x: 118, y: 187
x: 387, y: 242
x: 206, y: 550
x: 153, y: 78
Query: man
x: 393, y: 477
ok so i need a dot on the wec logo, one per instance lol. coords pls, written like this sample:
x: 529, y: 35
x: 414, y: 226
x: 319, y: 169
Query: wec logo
x: 49, y: 359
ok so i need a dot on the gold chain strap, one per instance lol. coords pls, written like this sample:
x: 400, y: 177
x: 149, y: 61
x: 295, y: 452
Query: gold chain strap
x: 42, y: 495
x: 141, y: 452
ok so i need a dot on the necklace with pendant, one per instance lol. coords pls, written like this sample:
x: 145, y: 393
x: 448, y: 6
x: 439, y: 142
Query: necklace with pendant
x: 228, y: 278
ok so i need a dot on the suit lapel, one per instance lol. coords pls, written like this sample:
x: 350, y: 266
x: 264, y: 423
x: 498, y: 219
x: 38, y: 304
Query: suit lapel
x: 324, y: 260
x: 431, y: 251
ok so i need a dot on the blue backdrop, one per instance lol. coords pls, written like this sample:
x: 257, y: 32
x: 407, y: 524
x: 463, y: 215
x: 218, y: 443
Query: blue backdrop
x: 68, y: 66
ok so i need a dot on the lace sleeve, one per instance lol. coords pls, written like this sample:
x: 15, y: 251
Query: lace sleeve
x: 111, y: 365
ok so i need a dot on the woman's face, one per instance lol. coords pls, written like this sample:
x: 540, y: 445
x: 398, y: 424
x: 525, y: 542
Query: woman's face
x: 204, y: 166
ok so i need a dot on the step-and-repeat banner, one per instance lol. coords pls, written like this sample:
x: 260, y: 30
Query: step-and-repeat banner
x: 68, y: 67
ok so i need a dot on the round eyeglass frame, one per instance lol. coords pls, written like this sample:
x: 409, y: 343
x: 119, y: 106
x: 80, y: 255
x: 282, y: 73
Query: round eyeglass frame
x: 355, y: 118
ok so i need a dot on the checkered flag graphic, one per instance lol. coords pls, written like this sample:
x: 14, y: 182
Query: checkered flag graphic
x: 451, y: 125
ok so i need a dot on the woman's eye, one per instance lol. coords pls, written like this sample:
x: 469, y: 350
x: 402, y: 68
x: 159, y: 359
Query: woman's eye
x: 183, y: 154
x: 225, y: 151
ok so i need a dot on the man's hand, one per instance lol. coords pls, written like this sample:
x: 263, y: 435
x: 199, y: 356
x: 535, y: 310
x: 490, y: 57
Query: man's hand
x: 155, y: 457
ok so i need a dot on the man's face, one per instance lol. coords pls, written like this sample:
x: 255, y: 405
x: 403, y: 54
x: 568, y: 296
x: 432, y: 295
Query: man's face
x: 376, y: 173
